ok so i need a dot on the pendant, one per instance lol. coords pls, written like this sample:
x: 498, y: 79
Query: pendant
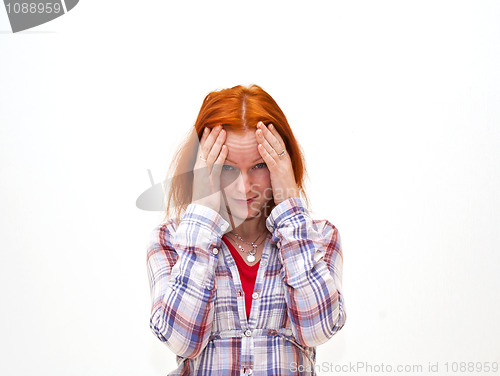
x: 250, y: 258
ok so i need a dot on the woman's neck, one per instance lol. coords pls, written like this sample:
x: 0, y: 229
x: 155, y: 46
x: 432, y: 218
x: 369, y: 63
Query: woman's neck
x: 250, y: 229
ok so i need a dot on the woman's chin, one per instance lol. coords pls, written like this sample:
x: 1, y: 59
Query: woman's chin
x: 243, y: 212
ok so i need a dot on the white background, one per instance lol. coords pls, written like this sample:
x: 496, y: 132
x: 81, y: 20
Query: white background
x: 396, y: 105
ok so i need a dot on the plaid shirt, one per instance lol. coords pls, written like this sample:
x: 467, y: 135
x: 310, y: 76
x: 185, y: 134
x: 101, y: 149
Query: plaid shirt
x: 198, y: 304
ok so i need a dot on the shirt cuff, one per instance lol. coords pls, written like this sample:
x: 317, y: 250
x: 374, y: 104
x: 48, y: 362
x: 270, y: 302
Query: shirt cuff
x: 207, y: 218
x: 284, y: 211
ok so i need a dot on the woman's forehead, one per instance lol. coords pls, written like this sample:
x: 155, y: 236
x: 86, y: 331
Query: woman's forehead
x: 242, y: 148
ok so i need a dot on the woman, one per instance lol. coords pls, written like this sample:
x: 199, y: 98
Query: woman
x: 243, y: 280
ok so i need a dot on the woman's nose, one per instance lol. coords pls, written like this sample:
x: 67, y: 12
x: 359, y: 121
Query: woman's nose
x: 243, y: 183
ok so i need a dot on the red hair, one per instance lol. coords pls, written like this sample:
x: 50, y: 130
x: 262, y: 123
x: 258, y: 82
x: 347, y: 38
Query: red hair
x: 238, y: 109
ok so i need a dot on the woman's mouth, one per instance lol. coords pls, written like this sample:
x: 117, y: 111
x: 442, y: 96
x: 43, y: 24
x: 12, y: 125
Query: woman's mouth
x: 246, y: 202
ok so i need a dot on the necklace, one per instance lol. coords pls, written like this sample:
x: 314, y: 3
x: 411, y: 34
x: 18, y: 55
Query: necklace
x: 251, y: 253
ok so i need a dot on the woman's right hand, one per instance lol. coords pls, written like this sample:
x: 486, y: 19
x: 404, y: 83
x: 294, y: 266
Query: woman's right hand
x: 206, y: 180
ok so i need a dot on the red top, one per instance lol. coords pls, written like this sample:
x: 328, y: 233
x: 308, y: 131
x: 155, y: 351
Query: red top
x: 248, y: 274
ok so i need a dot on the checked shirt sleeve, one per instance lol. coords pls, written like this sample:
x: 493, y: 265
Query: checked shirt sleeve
x: 181, y: 270
x: 312, y: 271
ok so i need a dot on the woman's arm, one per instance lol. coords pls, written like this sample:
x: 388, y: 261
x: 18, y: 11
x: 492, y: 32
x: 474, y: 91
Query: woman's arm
x: 312, y: 272
x: 181, y: 269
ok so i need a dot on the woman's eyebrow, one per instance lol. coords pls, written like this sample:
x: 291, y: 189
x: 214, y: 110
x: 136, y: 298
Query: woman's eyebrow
x: 252, y: 162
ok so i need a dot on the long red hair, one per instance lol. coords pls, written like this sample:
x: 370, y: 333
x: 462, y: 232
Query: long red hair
x: 238, y: 109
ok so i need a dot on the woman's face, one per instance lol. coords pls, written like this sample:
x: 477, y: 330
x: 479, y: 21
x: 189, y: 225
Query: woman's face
x: 245, y: 176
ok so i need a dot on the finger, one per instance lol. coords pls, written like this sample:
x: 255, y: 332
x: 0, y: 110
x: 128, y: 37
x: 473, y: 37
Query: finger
x: 201, y: 142
x: 267, y: 146
x: 265, y: 134
x: 270, y: 161
x: 212, y: 137
x: 204, y: 133
x: 216, y: 148
x: 219, y: 163
x: 217, y: 167
x: 274, y: 131
x: 222, y: 156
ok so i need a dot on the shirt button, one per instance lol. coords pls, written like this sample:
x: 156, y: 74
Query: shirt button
x: 215, y: 251
x: 248, y: 332
x: 250, y: 371
x: 263, y: 263
x: 255, y: 295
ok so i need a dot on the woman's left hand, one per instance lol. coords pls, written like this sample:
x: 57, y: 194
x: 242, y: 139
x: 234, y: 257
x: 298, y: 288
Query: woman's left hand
x: 282, y: 177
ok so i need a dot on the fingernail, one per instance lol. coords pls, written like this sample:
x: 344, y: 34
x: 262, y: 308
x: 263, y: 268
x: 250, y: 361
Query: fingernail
x: 271, y: 126
x: 205, y: 130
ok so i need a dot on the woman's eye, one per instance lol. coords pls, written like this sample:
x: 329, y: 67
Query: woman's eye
x: 261, y: 165
x: 227, y: 167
